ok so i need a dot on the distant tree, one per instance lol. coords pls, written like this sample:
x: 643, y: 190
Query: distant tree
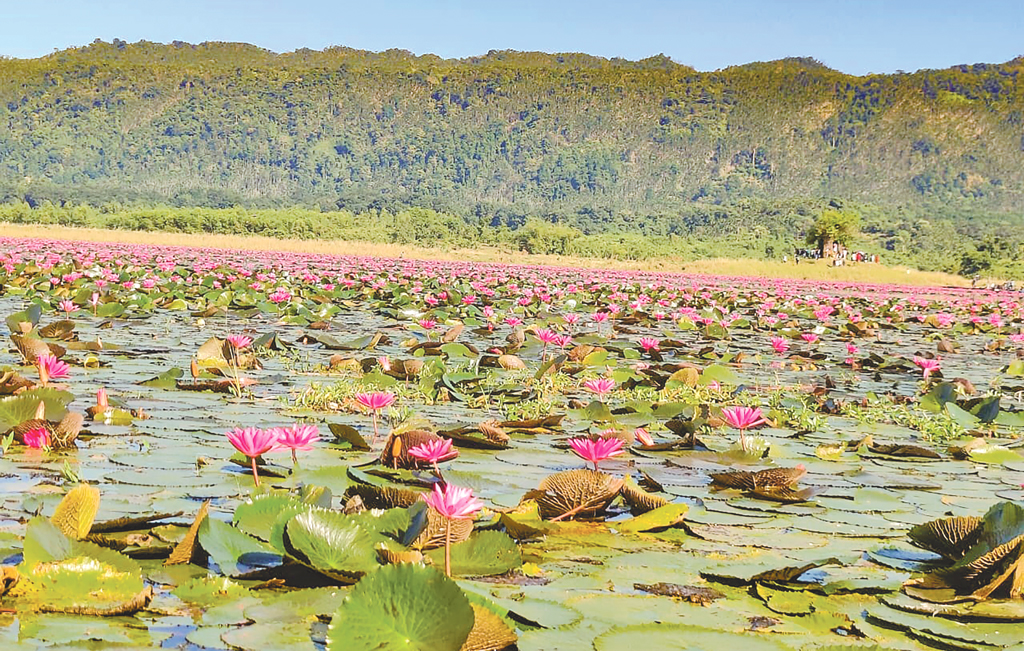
x: 834, y: 225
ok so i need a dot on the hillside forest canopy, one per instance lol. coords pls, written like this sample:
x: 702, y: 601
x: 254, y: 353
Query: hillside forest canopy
x: 549, y: 153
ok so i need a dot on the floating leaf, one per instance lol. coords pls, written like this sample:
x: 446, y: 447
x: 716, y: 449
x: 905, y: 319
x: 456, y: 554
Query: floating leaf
x: 402, y: 607
x: 77, y: 511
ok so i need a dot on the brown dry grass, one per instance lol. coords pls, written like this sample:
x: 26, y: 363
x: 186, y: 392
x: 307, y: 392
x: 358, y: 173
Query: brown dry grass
x: 863, y: 273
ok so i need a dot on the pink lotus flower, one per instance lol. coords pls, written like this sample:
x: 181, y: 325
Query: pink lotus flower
x: 598, y: 450
x: 239, y: 341
x: 643, y: 436
x: 851, y: 349
x: 434, y: 451
x: 780, y: 344
x: 427, y: 324
x: 600, y: 386
x: 513, y: 321
x: 809, y: 337
x: 384, y: 362
x: 253, y: 442
x: 280, y: 295
x: 571, y: 318
x: 296, y: 437
x: 743, y: 418
x: 50, y: 368
x: 37, y: 437
x: 67, y: 306
x: 375, y: 401
x: 453, y: 503
x: 648, y: 343
x: 927, y: 366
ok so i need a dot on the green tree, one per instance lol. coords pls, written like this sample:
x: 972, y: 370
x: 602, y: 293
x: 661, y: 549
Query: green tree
x: 834, y: 225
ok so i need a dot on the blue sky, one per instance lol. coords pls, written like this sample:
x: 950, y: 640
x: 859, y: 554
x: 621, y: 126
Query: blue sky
x: 855, y: 36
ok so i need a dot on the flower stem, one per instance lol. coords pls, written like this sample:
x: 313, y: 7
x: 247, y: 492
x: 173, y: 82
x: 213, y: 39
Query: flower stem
x: 374, y: 416
x: 255, y: 475
x: 447, y: 547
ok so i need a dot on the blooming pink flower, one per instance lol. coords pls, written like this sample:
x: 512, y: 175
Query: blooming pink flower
x: 780, y: 344
x: 376, y: 400
x: 546, y: 336
x: 571, y: 318
x: 253, y: 442
x: 50, y: 368
x: 280, y: 295
x: 597, y: 450
x: 427, y: 324
x: 384, y: 362
x: 37, y: 437
x: 297, y: 437
x: 600, y: 386
x: 927, y: 366
x: 101, y: 398
x: 453, y: 502
x: 68, y: 306
x: 743, y: 418
x: 648, y: 343
x: 809, y: 337
x: 513, y: 321
x: 239, y: 341
x: 434, y: 451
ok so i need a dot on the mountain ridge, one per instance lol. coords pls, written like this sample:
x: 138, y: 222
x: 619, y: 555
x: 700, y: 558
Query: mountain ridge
x: 604, y: 145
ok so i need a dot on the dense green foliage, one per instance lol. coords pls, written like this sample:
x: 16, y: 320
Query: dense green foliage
x: 635, y: 156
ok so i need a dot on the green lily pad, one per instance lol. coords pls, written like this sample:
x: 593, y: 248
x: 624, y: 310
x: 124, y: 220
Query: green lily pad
x: 403, y: 606
x: 485, y: 553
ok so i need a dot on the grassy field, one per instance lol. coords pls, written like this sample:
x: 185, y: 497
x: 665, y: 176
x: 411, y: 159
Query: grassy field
x: 866, y: 273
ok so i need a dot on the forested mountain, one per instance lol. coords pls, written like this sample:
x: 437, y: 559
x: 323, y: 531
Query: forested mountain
x: 650, y: 147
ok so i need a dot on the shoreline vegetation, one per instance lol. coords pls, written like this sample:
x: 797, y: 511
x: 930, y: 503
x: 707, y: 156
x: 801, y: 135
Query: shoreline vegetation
x: 807, y: 270
x: 564, y: 154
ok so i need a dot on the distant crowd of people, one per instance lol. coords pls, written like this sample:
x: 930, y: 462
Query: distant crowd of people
x: 839, y: 255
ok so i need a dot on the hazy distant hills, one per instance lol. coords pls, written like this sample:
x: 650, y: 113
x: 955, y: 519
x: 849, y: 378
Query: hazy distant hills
x: 508, y: 134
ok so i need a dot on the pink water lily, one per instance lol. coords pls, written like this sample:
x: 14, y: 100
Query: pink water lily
x: 648, y: 344
x: 37, y: 437
x: 743, y: 418
x: 780, y: 344
x: 596, y: 450
x: 927, y: 366
x: 601, y: 386
x: 375, y: 401
x: 434, y: 451
x: 50, y: 368
x: 238, y: 342
x: 296, y: 437
x: 810, y: 337
x: 643, y: 436
x: 67, y: 306
x: 453, y: 503
x: 253, y: 442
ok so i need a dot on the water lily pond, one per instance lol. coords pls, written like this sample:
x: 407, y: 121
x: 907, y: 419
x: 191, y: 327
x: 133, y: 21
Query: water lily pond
x: 675, y: 461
